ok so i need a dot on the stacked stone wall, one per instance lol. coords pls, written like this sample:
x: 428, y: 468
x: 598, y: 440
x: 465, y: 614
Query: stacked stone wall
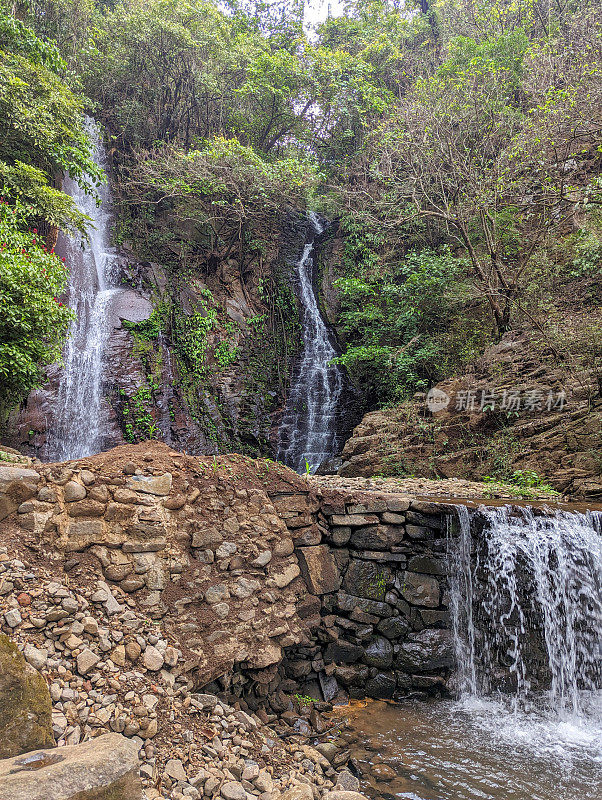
x: 375, y: 568
x: 329, y: 594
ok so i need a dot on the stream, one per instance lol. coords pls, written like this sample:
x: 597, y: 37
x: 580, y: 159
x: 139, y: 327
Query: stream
x: 473, y: 750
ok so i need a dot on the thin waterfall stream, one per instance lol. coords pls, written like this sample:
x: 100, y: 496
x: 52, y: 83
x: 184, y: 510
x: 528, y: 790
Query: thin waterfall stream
x: 77, y: 428
x: 309, y: 432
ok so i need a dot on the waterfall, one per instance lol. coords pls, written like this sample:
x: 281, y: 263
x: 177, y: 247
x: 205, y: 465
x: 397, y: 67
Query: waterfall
x: 77, y: 428
x: 310, y: 429
x: 526, y: 603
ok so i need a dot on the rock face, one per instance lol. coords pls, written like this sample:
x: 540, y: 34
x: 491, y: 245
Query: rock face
x: 25, y: 707
x: 105, y: 768
x: 479, y: 432
x: 144, y: 383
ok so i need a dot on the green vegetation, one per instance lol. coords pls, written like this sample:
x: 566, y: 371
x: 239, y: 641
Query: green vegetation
x: 33, y: 321
x: 524, y: 484
x: 42, y: 134
x: 457, y: 147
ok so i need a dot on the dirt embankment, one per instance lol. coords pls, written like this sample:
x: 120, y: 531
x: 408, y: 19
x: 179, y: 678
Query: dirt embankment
x: 526, y: 405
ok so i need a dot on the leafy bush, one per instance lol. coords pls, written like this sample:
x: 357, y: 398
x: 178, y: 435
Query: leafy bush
x: 391, y: 318
x: 587, y: 260
x: 33, y: 321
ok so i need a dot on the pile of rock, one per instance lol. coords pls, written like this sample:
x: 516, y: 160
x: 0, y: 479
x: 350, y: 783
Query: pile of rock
x: 111, y: 669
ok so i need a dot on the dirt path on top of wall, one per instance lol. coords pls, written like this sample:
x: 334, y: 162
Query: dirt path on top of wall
x: 444, y: 488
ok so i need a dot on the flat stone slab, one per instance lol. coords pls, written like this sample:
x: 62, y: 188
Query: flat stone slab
x: 131, y: 306
x: 105, y: 768
x: 159, y: 485
x: 319, y: 569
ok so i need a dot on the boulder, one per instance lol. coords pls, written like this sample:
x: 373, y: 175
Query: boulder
x: 73, y: 491
x: 17, y: 484
x: 319, y: 569
x: 379, y: 653
x: 104, y: 768
x: 25, y: 706
x: 426, y: 651
x: 420, y: 590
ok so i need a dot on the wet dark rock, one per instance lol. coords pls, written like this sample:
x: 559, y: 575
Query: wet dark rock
x: 426, y: 651
x: 348, y: 602
x: 427, y: 564
x: 329, y: 686
x: 353, y: 675
x: 379, y: 653
x: 342, y: 652
x: 428, y: 683
x: 381, y: 686
x: 428, y: 520
x: 394, y: 627
x: 420, y: 590
x: 367, y: 579
x: 340, y: 535
x: 377, y: 537
x: 435, y: 619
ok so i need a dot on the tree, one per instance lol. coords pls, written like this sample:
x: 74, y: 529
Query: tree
x: 468, y: 149
x: 225, y: 199
x: 33, y: 320
x: 42, y: 134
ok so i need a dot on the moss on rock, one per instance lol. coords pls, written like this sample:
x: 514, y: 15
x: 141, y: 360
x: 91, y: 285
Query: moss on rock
x: 25, y: 706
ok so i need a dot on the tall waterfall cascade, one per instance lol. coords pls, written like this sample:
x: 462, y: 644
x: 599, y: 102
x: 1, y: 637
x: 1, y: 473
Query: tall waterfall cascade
x: 77, y: 427
x: 526, y: 602
x: 309, y: 432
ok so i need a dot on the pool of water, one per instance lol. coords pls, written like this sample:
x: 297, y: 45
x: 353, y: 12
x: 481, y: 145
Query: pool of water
x: 474, y: 750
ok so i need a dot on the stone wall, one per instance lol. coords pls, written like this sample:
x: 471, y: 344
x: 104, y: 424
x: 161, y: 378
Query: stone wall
x: 375, y: 569
x: 264, y: 584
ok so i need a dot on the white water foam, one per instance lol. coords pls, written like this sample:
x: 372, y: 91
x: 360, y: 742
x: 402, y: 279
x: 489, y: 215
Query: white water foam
x: 526, y: 602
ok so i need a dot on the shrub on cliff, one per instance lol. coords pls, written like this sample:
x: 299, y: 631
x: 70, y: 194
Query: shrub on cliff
x: 33, y: 320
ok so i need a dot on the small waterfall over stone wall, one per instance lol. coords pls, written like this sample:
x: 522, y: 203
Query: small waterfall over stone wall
x: 77, y: 428
x: 310, y: 431
x: 526, y: 601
